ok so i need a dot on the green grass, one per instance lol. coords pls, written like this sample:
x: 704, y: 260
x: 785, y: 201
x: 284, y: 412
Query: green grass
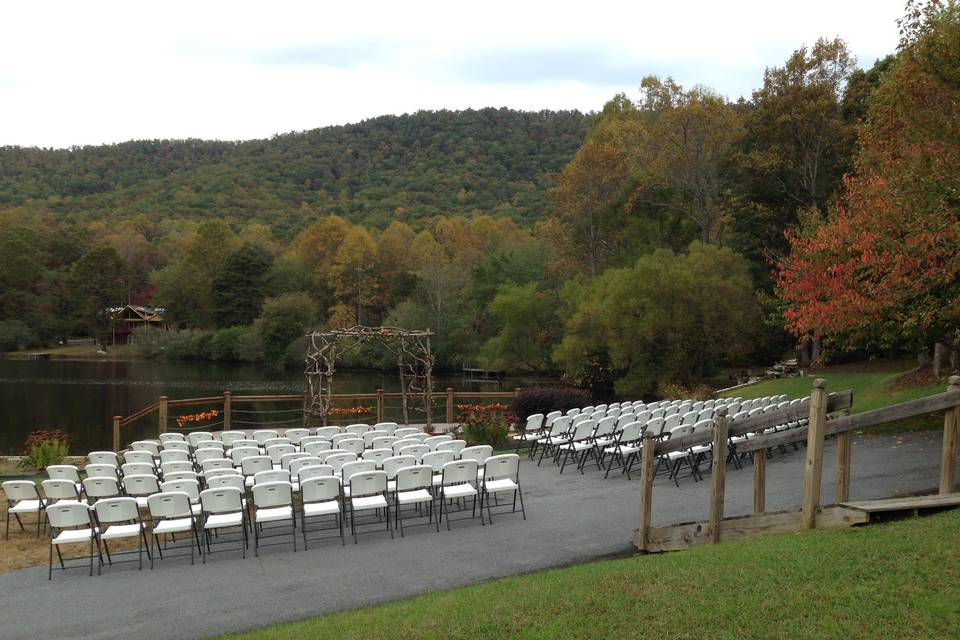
x: 872, y: 388
x: 897, y: 580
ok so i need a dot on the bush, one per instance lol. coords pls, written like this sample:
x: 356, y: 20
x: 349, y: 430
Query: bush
x: 15, y: 334
x: 546, y: 399
x: 484, y: 423
x: 45, y: 448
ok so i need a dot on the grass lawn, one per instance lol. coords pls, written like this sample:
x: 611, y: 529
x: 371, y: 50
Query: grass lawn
x: 895, y: 580
x: 83, y: 351
x: 873, y: 387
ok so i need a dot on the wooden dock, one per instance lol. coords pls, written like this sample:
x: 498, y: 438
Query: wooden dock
x: 913, y: 504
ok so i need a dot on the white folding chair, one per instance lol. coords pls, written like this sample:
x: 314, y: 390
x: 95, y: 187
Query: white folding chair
x: 459, y: 482
x: 377, y: 456
x: 357, y: 429
x: 230, y: 438
x: 272, y: 504
x: 140, y: 487
x: 313, y: 448
x: 119, y: 518
x: 59, y: 491
x: 435, y: 460
x: 70, y: 523
x: 22, y: 498
x: 456, y: 446
x: 103, y: 457
x: 353, y: 445
x: 501, y: 474
x: 415, y: 450
x: 368, y: 492
x: 414, y: 488
x: 296, y: 435
x: 320, y: 497
x: 389, y: 427
x: 98, y: 488
x: 222, y: 508
x: 172, y: 513
x: 434, y: 441
x: 173, y: 455
x: 263, y: 435
x: 327, y: 433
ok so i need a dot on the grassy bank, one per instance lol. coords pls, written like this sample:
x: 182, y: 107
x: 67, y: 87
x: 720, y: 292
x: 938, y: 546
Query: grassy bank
x: 874, y: 385
x: 897, y: 580
x: 82, y: 351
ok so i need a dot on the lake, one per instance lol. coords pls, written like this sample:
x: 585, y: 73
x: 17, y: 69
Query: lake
x: 81, y: 396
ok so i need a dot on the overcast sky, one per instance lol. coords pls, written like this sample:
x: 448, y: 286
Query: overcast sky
x: 76, y: 73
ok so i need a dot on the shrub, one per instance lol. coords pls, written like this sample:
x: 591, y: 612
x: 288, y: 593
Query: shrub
x: 546, y: 399
x: 484, y: 423
x: 15, y: 334
x: 45, y: 448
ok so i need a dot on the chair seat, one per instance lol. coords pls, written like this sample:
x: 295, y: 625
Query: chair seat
x: 603, y: 442
x: 391, y: 486
x: 141, y: 502
x: 220, y: 520
x: 673, y: 455
x: 369, y: 502
x: 701, y: 448
x: 503, y: 484
x: 326, y: 508
x: 272, y: 514
x: 580, y: 446
x: 74, y: 535
x: 196, y: 509
x: 458, y: 491
x: 121, y: 531
x: 26, y: 506
x: 437, y: 480
x: 411, y: 497
x: 248, y: 481
x: 179, y: 525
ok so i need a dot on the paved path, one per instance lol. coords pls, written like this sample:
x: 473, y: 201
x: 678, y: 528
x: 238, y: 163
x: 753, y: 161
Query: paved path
x: 571, y: 518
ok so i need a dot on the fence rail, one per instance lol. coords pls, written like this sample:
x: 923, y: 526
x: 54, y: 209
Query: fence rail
x: 447, y: 400
x: 810, y: 514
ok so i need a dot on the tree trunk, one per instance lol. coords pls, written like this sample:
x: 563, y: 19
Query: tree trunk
x: 941, y: 359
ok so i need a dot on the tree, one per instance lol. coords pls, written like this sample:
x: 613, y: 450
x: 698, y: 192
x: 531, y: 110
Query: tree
x: 883, y: 268
x: 527, y: 328
x: 354, y: 278
x: 238, y: 288
x: 668, y: 318
x: 282, y: 320
x: 98, y: 280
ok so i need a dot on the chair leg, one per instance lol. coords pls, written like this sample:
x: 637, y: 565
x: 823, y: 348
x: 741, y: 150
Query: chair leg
x: 523, y: 510
x: 50, y: 560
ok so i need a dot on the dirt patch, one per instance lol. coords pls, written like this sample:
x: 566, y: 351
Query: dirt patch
x: 916, y: 378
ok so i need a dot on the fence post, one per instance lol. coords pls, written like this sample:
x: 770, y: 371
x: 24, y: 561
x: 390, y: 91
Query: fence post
x: 227, y: 408
x: 813, y: 469
x: 449, y: 405
x: 759, y: 480
x: 162, y: 414
x: 116, y: 434
x: 379, y: 405
x: 844, y: 451
x: 721, y: 428
x: 948, y: 456
x: 648, y: 456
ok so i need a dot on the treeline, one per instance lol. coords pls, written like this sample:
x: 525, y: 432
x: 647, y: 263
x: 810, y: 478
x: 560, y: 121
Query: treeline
x: 655, y: 256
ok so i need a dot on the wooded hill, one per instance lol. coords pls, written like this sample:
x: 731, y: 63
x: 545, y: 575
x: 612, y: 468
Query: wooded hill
x: 408, y: 167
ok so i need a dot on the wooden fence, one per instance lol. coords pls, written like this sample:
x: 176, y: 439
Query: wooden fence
x: 227, y: 402
x: 811, y: 514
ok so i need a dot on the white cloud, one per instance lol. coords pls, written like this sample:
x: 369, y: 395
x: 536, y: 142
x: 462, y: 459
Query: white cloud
x: 84, y: 73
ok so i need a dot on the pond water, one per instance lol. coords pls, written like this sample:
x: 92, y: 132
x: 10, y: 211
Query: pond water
x: 81, y: 396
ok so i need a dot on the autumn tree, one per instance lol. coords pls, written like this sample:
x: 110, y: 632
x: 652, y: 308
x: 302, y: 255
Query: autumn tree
x: 238, y: 288
x: 354, y: 279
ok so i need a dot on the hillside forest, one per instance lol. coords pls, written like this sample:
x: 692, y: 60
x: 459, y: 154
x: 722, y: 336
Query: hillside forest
x: 669, y: 234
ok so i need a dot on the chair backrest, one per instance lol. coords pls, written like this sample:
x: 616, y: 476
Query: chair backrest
x: 277, y: 451
x: 181, y: 475
x: 479, y: 453
x: 643, y: 416
x: 189, y: 487
x: 110, y: 471
x: 304, y: 441
x: 357, y: 466
x: 253, y: 464
x: 60, y: 490
x: 415, y: 450
x: 406, y: 431
x: 221, y: 500
x: 690, y: 417
x: 383, y: 442
x: 300, y: 463
x: 657, y: 413
x: 337, y: 460
x: 63, y: 472
x: 320, y: 488
x: 21, y: 490
x: 175, y: 445
x: 394, y: 463
x: 560, y: 426
x: 138, y: 469
x: 377, y: 455
x: 202, y: 455
x: 338, y: 437
x: 681, y: 431
x: 506, y: 465
x: 671, y: 421
x: 534, y: 423
x: 100, y: 487
x: 367, y: 483
x: 169, y: 504
x: 139, y: 456
x: 353, y: 445
x: 433, y: 441
x: 389, y: 427
x: 624, y: 419
x: 146, y: 445
x: 583, y: 431
x: 215, y: 463
x: 103, y: 457
x: 705, y: 414
x: 572, y: 412
x: 230, y: 438
x: 288, y: 458
x: 195, y: 437
x: 631, y: 431
x: 596, y: 415
x: 605, y: 427
x: 420, y: 436
x: 327, y: 433
x: 171, y: 437
x: 171, y: 467
x: 416, y: 477
x: 141, y: 485
x: 313, y: 448
x: 272, y: 442
x: 176, y: 455
x: 553, y: 415
x: 69, y: 515
x: 226, y: 480
x: 436, y: 459
x: 357, y: 429
x: 654, y: 426
x: 314, y: 471
x: 296, y: 436
x: 211, y: 444
x: 459, y: 472
x: 403, y: 442
x: 372, y: 434
x: 456, y: 446
x: 271, y: 475
x: 262, y: 435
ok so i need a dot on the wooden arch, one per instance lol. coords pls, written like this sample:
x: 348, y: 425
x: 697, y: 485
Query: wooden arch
x: 414, y: 359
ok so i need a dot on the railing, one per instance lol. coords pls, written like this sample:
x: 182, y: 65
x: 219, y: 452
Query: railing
x: 810, y: 514
x: 227, y: 403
